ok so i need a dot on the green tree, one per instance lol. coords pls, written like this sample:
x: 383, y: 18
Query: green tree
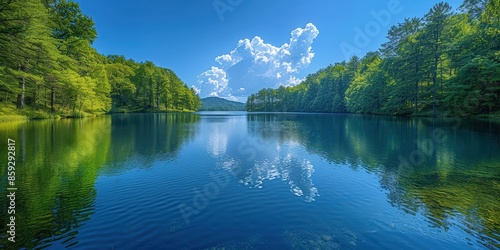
x: 367, y: 92
x: 435, y: 40
x: 403, y: 53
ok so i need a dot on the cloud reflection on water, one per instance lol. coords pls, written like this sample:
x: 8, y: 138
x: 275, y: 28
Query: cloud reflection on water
x: 253, y: 162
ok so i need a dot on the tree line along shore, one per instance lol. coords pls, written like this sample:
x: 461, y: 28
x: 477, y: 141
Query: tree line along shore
x: 48, y: 68
x: 443, y: 64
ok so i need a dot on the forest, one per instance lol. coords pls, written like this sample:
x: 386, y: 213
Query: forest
x: 48, y: 67
x: 445, y: 63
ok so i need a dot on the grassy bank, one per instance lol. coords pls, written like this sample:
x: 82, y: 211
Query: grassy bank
x: 8, y: 113
x: 11, y: 113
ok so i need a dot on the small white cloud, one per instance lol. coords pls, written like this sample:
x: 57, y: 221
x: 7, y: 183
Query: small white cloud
x: 197, y: 90
x: 254, y: 65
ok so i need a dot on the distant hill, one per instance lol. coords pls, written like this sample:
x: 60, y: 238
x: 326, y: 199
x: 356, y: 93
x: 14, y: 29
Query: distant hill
x: 220, y: 104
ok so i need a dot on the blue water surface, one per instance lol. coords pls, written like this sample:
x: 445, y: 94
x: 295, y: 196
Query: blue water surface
x: 232, y: 180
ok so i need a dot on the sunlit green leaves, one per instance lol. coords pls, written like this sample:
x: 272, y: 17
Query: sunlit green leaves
x: 441, y: 64
x: 48, y: 63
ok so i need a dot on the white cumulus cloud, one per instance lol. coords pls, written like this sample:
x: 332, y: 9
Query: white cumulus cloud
x: 212, y: 82
x: 254, y: 65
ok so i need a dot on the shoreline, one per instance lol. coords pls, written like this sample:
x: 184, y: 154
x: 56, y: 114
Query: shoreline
x: 40, y: 115
x: 13, y: 115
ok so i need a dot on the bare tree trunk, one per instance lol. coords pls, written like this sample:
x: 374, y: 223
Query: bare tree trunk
x: 52, y: 98
x: 20, y: 97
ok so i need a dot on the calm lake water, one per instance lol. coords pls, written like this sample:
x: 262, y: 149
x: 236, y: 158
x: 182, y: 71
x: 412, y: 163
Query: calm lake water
x: 253, y: 181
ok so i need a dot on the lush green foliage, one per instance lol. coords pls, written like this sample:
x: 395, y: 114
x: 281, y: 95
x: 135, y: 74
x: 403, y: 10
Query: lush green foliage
x: 220, y: 104
x: 48, y: 64
x: 442, y: 64
x: 144, y: 86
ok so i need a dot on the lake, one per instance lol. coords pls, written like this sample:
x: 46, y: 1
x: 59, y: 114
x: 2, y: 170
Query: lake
x: 232, y: 180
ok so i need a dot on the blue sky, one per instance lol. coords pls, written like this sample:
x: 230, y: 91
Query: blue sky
x: 252, y: 39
